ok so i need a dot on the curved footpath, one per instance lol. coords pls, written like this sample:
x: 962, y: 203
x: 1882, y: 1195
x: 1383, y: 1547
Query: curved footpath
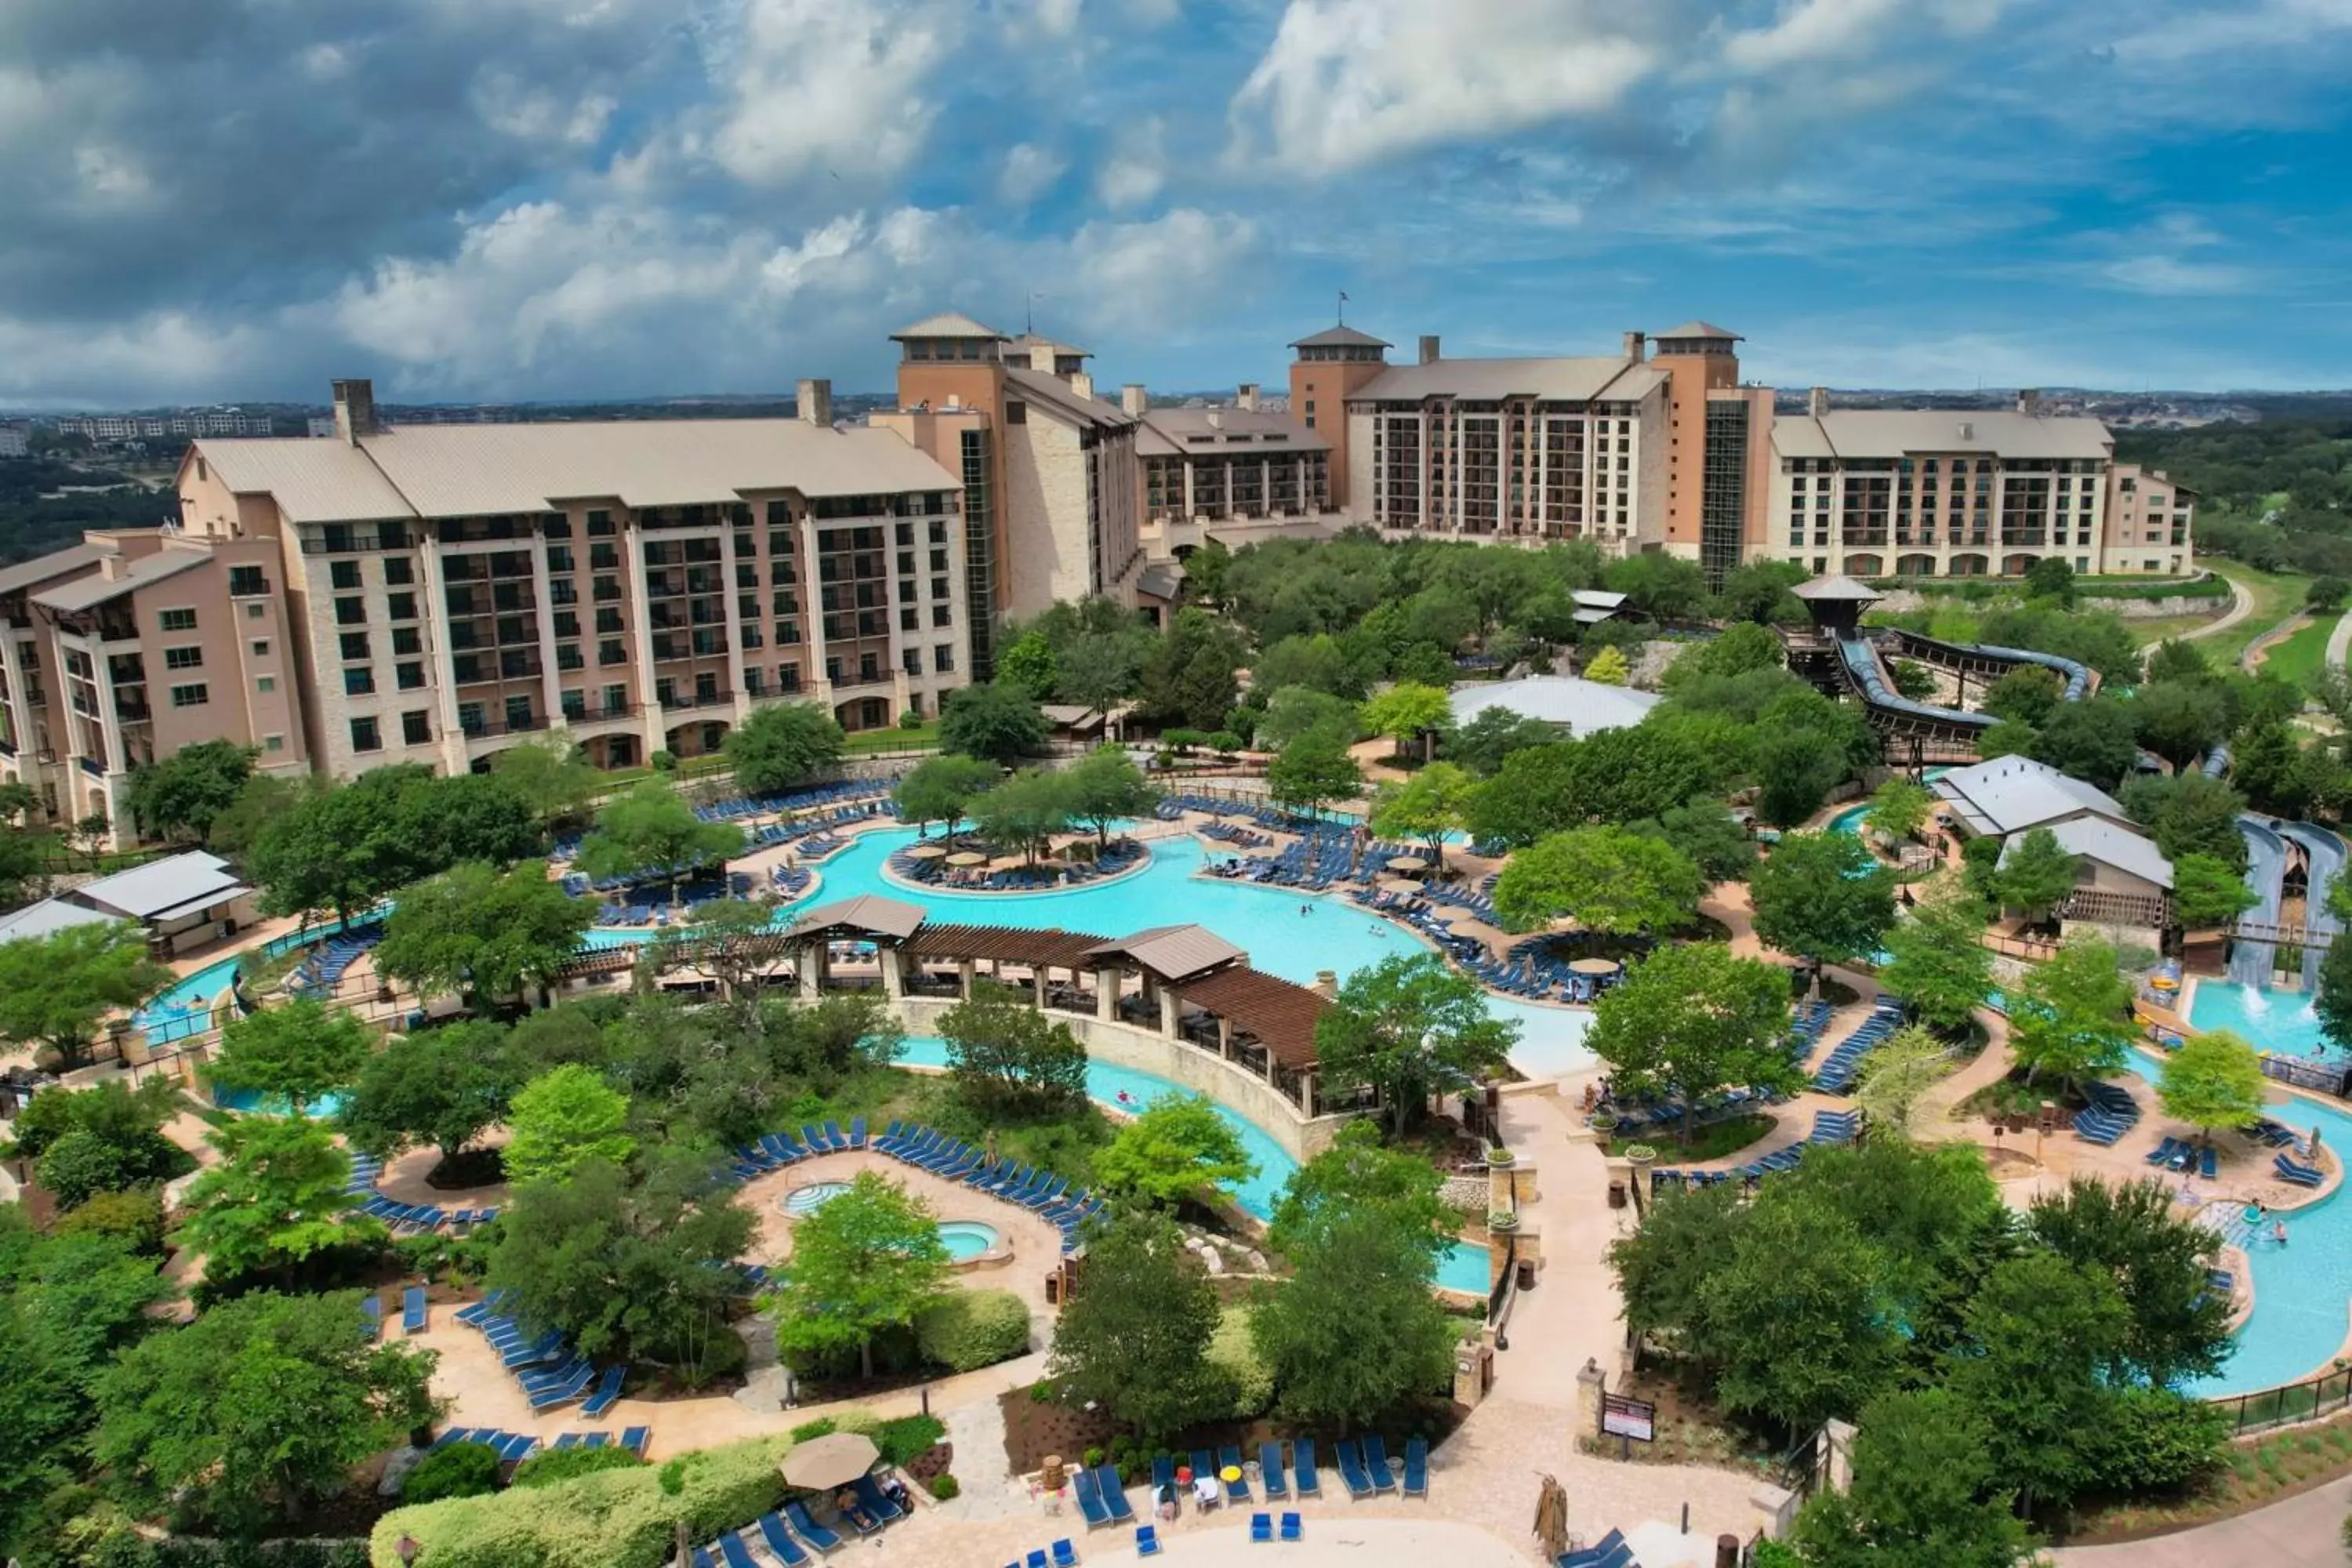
x: 2300, y: 1533
x: 2241, y: 605
x: 2339, y: 641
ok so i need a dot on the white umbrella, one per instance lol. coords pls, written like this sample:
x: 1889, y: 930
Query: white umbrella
x: 833, y: 1460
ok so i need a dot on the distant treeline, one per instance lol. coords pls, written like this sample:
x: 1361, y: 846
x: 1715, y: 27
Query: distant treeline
x: 31, y: 526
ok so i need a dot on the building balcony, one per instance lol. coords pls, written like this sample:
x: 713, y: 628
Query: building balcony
x: 485, y: 729
x: 616, y: 713
x: 676, y: 704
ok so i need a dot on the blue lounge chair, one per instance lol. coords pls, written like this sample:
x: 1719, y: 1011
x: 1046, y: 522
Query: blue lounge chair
x: 412, y: 1310
x: 637, y: 1438
x: 817, y: 1142
x: 731, y: 1547
x: 702, y: 1558
x: 563, y: 1393
x: 1203, y: 1464
x: 1045, y: 1196
x: 2208, y: 1163
x: 608, y: 1390
x: 1146, y: 1541
x: 1351, y: 1468
x: 1302, y: 1468
x: 1269, y: 1471
x: 1064, y: 1555
x: 1091, y: 1503
x: 1229, y: 1458
x: 1114, y: 1493
x: 780, y: 1541
x: 568, y: 1440
x: 1163, y: 1472
x: 517, y: 1446
x: 875, y: 1502
x: 857, y: 1133
x: 1261, y: 1527
x: 837, y: 1137
x: 1609, y: 1552
x: 1416, y: 1468
x: 454, y: 1434
x: 810, y: 1530
x: 1376, y: 1463
x: 888, y: 1142
x: 371, y: 1315
x: 1291, y: 1526
x: 1037, y: 1558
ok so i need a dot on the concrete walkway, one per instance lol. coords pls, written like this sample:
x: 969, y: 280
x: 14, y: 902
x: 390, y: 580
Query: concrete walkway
x: 2241, y: 605
x: 2339, y: 641
x: 2301, y: 1533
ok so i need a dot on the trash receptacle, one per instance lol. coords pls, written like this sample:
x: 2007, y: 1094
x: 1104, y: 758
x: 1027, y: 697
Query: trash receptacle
x: 1616, y: 1194
x: 1527, y: 1274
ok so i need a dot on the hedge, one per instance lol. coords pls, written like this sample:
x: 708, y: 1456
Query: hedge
x: 616, y: 1518
x: 549, y: 1466
x: 972, y: 1329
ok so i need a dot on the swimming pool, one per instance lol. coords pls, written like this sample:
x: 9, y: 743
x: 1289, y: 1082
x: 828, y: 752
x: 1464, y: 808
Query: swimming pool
x: 2279, y: 1021
x: 1265, y: 922
x: 248, y: 1101
x: 184, y: 1007
x: 807, y: 1200
x: 966, y: 1240
x: 1463, y: 1262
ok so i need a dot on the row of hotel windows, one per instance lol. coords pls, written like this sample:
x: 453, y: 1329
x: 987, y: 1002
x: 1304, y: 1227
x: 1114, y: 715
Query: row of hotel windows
x: 343, y: 539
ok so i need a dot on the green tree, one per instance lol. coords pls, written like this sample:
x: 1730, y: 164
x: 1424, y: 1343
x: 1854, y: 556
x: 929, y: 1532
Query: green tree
x: 2052, y: 578
x: 2179, y: 720
x: 178, y: 796
x: 1899, y: 809
x: 2208, y: 892
x: 2189, y: 814
x: 482, y: 932
x: 1705, y: 833
x: 54, y: 989
x: 1685, y: 1239
x: 1407, y: 1028
x: 1740, y: 650
x: 1027, y: 662
x: 1307, y: 663
x: 2073, y: 1018
x: 1492, y: 733
x: 2092, y: 739
x: 940, y: 789
x: 1604, y: 879
x: 1897, y: 1072
x: 1294, y: 711
x: 1355, y: 1173
x: 1800, y: 1325
x: 103, y: 1139
x: 1427, y: 806
x: 1823, y: 895
x: 2028, y: 694
x: 1798, y: 769
x: 1106, y: 787
x: 442, y: 1086
x: 1177, y: 1148
x: 1133, y: 1339
x: 2159, y: 1259
x: 561, y: 1118
x: 2175, y: 658
x: 2007, y: 739
x: 260, y: 802
x: 277, y: 1197
x: 254, y: 1414
x: 294, y: 1053
x: 1354, y: 1331
x: 1188, y: 677
x: 1936, y: 959
x: 1405, y: 711
x: 782, y: 745
x: 2037, y: 1336
x: 1314, y: 769
x: 1024, y: 812
x: 1691, y: 1020
x: 1004, y: 1054
x: 551, y: 773
x: 1759, y: 590
x: 652, y: 832
x: 632, y: 1270
x: 2213, y: 1080
x: 1664, y: 587
x: 1923, y: 1494
x: 2036, y: 874
x: 869, y: 1259
x: 2334, y: 1003
x: 1610, y: 668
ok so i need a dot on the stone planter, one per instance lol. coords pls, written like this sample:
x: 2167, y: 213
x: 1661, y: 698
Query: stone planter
x: 1502, y: 1222
x: 1640, y: 1156
x: 1500, y: 1159
x: 1604, y: 1122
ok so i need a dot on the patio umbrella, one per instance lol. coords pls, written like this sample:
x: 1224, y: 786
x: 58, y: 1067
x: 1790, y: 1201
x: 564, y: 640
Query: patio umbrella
x: 967, y: 857
x: 1407, y: 863
x: 1593, y: 966
x: 927, y: 851
x: 1399, y: 885
x: 833, y: 1460
x: 1551, y: 1516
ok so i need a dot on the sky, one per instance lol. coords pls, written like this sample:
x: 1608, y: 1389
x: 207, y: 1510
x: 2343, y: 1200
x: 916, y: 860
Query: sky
x: 500, y: 200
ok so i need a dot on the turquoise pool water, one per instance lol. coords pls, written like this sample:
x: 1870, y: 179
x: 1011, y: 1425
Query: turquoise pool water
x: 246, y: 1100
x: 966, y: 1240
x: 2280, y: 1021
x: 1465, y: 1261
x: 1265, y: 922
x: 1850, y: 819
x: 813, y: 1197
x: 184, y: 1007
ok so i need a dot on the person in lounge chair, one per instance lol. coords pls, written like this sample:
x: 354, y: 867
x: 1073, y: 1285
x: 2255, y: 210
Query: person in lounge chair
x: 853, y: 1510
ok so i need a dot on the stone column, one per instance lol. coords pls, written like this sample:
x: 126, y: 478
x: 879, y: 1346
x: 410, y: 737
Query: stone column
x: 1106, y: 996
x: 1170, y: 1012
x: 810, y: 963
x: 1224, y: 1037
x: 965, y: 969
x: 1837, y: 1462
x: 1591, y: 1384
x: 894, y: 972
x: 1037, y: 985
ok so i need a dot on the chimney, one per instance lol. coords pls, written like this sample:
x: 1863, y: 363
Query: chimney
x: 1082, y: 384
x: 1817, y: 402
x: 1247, y: 400
x: 1634, y: 347
x: 1134, y: 400
x: 1041, y: 357
x: 815, y: 400
x: 355, y: 410
x: 1429, y: 348
x: 2029, y: 401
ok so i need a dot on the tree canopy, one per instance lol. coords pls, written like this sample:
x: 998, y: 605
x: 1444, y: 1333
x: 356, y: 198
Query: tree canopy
x: 294, y: 1053
x: 867, y: 1259
x: 1604, y: 879
x: 2213, y: 1080
x: 343, y: 848
x: 1354, y: 1331
x: 1936, y: 959
x: 999, y: 722
x: 1024, y: 812
x: 782, y: 744
x: 561, y: 1118
x: 441, y: 1086
x: 2036, y: 874
x: 54, y: 989
x: 482, y: 932
x: 279, y: 1195
x: 1004, y: 1053
x: 1134, y: 1338
x: 1107, y: 786
x: 652, y: 833
x: 550, y: 773
x: 1177, y: 1148
x: 941, y: 789
x: 1822, y: 896
x: 1405, y: 710
x: 1408, y: 1028
x: 1356, y: 1173
x: 1314, y: 769
x: 178, y: 796
x: 1427, y: 806
x: 1691, y: 1020
x: 2071, y: 1017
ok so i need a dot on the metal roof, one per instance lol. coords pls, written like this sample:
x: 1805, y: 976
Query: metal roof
x: 1341, y: 337
x: 947, y: 324
x: 1973, y: 432
x: 1028, y: 341
x: 2097, y: 839
x: 48, y: 918
x: 1553, y: 380
x: 42, y: 568
x: 1223, y: 432
x: 1582, y: 706
x: 1829, y: 588
x: 867, y: 913
x: 1172, y: 952
x: 1282, y: 1016
x: 161, y: 887
x: 2011, y: 795
x: 97, y: 588
x: 1162, y: 579
x: 1701, y: 329
x: 1051, y: 392
x: 312, y: 480
x: 201, y: 902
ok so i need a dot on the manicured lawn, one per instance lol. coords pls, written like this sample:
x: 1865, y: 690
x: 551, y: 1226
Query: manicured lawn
x: 2277, y: 594
x: 2298, y: 658
x: 2256, y: 1471
x: 868, y: 742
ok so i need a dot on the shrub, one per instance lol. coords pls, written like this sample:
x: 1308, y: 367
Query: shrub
x: 136, y: 1216
x: 459, y: 1471
x: 809, y: 1431
x: 910, y: 720
x: 552, y: 1465
x: 944, y: 1488
x: 665, y: 762
x: 1233, y: 1351
x: 1094, y: 1457
x: 901, y: 1439
x: 972, y: 1329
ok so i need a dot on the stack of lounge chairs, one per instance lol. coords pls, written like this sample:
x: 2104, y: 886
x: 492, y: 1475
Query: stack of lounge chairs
x: 406, y: 1219
x: 323, y: 967
x: 1102, y: 1497
x: 2293, y: 1170
x: 2275, y: 1134
x: 511, y: 1446
x: 1835, y: 1127
x: 1836, y: 1075
x: 549, y: 1374
x: 1830, y: 1127
x: 2179, y: 1155
x: 774, y: 1150
x: 1805, y: 1027
x: 1046, y: 1194
x: 2110, y: 1115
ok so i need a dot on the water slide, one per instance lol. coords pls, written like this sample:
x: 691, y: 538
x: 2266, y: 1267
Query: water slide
x: 1870, y: 677
x: 2323, y: 852
x: 2249, y: 961
x: 2217, y: 763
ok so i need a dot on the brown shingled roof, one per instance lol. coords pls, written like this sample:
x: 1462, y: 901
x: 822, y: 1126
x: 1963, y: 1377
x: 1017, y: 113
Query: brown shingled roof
x: 1281, y: 1014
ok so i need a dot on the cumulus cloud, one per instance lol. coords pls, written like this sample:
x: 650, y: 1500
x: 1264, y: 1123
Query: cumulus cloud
x: 1029, y: 171
x: 823, y: 87
x: 1136, y: 172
